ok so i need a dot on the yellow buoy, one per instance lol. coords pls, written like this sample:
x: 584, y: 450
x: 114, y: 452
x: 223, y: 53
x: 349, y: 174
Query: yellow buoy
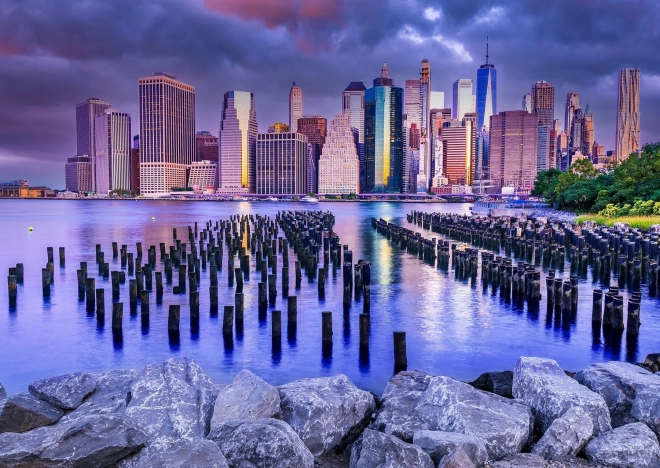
x: 30, y: 229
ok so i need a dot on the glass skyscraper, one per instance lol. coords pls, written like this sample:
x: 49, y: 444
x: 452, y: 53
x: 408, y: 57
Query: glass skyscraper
x: 486, y: 92
x: 238, y: 136
x: 383, y: 136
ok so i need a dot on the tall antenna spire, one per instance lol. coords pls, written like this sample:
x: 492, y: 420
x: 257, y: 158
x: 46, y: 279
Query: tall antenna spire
x: 486, y: 48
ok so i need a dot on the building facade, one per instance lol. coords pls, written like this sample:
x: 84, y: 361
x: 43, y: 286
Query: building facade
x: 295, y: 106
x: 627, y: 113
x: 207, y: 146
x: 167, y: 132
x: 78, y: 174
x: 203, y: 176
x: 315, y: 128
x: 543, y: 102
x: 513, y: 150
x: 572, y: 105
x: 86, y: 113
x: 339, y: 166
x: 463, y: 101
x: 352, y: 104
x: 112, y: 165
x: 486, y: 93
x: 281, y: 163
x: 527, y: 102
x: 459, y: 150
x: 383, y: 136
x: 278, y: 127
x: 238, y: 139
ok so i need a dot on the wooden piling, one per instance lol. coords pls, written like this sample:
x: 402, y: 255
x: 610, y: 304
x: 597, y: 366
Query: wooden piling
x: 400, y: 354
x: 100, y: 301
x: 292, y: 311
x: 12, y: 289
x: 117, y: 316
x: 326, y: 328
x: 173, y: 319
x: 228, y: 321
x: 90, y: 287
x: 633, y: 318
x: 144, y: 303
x: 597, y: 309
x: 364, y: 329
x: 263, y: 296
x: 276, y: 324
x: 239, y: 307
x: 617, y: 313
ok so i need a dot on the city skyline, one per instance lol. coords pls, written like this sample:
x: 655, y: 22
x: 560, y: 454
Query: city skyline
x: 45, y: 72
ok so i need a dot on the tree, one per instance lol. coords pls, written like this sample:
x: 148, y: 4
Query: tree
x: 545, y: 183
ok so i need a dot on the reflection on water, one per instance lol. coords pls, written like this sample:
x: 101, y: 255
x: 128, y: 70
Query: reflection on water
x: 456, y: 327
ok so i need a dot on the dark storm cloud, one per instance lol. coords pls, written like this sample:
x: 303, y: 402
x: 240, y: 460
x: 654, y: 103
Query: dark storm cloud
x: 54, y: 54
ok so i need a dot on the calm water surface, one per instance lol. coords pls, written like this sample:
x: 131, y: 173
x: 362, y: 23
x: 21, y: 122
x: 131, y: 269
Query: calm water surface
x: 453, y: 327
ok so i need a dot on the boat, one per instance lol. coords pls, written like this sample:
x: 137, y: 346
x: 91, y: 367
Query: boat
x: 271, y: 199
x: 308, y: 199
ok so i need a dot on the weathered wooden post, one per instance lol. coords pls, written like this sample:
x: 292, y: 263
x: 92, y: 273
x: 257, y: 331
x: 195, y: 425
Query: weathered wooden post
x: 276, y: 319
x: 238, y: 273
x: 115, y: 250
x: 115, y: 285
x: 239, y: 308
x: 272, y: 288
x: 90, y: 287
x: 173, y: 320
x: 364, y: 329
x: 263, y: 296
x: 131, y: 264
x: 159, y: 283
x: 194, y: 306
x: 566, y: 303
x: 62, y: 257
x: 49, y: 251
x: 400, y: 354
x: 285, y: 282
x: 298, y: 274
x: 617, y: 313
x: 100, y: 301
x: 19, y: 273
x: 608, y: 310
x: 597, y: 309
x: 148, y: 279
x: 144, y: 303
x: 139, y: 279
x: 633, y: 318
x: 321, y: 283
x: 117, y: 316
x: 133, y: 293
x: 13, y: 290
x: 292, y: 314
x: 326, y: 329
x: 228, y: 321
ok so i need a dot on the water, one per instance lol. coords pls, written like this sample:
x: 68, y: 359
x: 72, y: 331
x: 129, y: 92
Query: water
x: 453, y: 327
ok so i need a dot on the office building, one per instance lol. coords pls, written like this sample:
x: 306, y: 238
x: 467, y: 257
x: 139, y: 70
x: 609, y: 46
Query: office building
x: 206, y: 147
x: 411, y: 107
x: 543, y: 153
x: 282, y: 163
x: 315, y: 128
x: 437, y: 117
x: 437, y: 100
x: 597, y: 153
x: 78, y: 174
x: 513, y: 149
x: 458, y: 139
x: 527, y: 102
x: 383, y: 136
x: 425, y: 108
x: 543, y: 102
x: 463, y: 98
x: 587, y: 132
x: 278, y: 127
x: 339, y: 166
x: 572, y: 105
x: 352, y: 104
x: 135, y: 169
x: 486, y: 92
x: 295, y: 106
x: 238, y: 136
x: 577, y: 130
x: 167, y: 132
x: 203, y: 176
x: 627, y: 113
x: 86, y: 112
x: 112, y: 164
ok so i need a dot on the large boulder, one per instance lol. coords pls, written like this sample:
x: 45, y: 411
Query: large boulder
x: 446, y: 404
x: 65, y: 391
x: 112, y: 395
x: 171, y: 402
x: 630, y: 446
x: 498, y: 383
x: 204, y: 454
x: 327, y: 412
x: 457, y: 458
x: 263, y: 443
x: 631, y: 393
x: 23, y: 412
x: 567, y: 435
x: 247, y: 397
x: 544, y: 386
x: 439, y: 444
x: 520, y: 460
x: 94, y: 441
x: 376, y: 449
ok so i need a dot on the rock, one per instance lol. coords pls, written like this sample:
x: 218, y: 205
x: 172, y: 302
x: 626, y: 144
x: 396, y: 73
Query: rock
x: 65, y: 391
x: 97, y: 441
x: 205, y: 454
x: 544, y: 386
x: 520, y: 460
x: 633, y: 445
x: 171, y: 402
x: 567, y: 435
x: 457, y: 459
x: 262, y: 443
x: 651, y: 363
x: 24, y: 412
x: 247, y: 397
x: 572, y: 462
x: 498, y: 383
x: 504, y: 425
x: 375, y: 450
x: 631, y: 393
x: 111, y: 395
x: 439, y: 444
x: 3, y: 397
x: 327, y: 413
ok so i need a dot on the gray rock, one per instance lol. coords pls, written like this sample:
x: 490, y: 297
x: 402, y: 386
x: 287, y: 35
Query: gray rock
x: 498, y: 383
x: 247, y: 397
x: 520, y: 460
x: 111, y: 395
x: 572, y: 462
x: 24, y: 412
x: 378, y: 450
x: 457, y: 458
x: 631, y: 393
x: 204, y: 454
x: 630, y: 446
x: 439, y: 444
x: 97, y: 441
x: 446, y: 404
x: 567, y: 435
x: 544, y: 386
x: 3, y: 396
x: 327, y: 413
x: 263, y: 443
x: 171, y: 402
x: 65, y: 391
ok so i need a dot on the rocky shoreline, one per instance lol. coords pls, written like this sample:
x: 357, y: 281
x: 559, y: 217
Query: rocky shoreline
x: 173, y: 415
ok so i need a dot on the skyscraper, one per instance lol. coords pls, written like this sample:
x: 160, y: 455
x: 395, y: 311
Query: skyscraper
x: 458, y: 150
x: 352, y: 104
x: 206, y: 147
x: 411, y: 107
x: 113, y: 151
x: 315, y: 128
x: 513, y: 150
x: 588, y: 132
x: 78, y: 172
x: 238, y: 136
x: 339, y: 166
x: 437, y: 118
x: 383, y: 136
x: 543, y: 102
x: 295, y: 106
x: 527, y: 102
x: 486, y: 92
x: 282, y: 163
x: 425, y: 108
x: 463, y: 98
x: 167, y: 132
x: 572, y: 104
x: 627, y: 113
x: 85, y: 133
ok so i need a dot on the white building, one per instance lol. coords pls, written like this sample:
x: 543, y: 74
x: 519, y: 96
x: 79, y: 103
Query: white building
x: 282, y: 163
x: 339, y: 166
x: 295, y: 106
x: 463, y: 98
x: 238, y: 137
x: 112, y: 164
x: 203, y: 176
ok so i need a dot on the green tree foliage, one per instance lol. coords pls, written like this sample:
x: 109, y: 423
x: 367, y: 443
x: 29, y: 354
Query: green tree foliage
x: 629, y: 188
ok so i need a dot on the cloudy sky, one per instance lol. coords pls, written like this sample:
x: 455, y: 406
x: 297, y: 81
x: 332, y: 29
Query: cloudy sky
x: 56, y: 53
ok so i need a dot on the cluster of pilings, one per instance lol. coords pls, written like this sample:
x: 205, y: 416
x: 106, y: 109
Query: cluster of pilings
x: 240, y: 238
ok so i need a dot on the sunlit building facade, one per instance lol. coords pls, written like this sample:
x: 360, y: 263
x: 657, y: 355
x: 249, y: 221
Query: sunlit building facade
x: 295, y: 106
x: 86, y: 113
x: 339, y: 166
x: 238, y: 136
x: 627, y: 113
x: 352, y: 99
x: 486, y: 93
x: 113, y: 151
x: 463, y: 101
x: 282, y: 163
